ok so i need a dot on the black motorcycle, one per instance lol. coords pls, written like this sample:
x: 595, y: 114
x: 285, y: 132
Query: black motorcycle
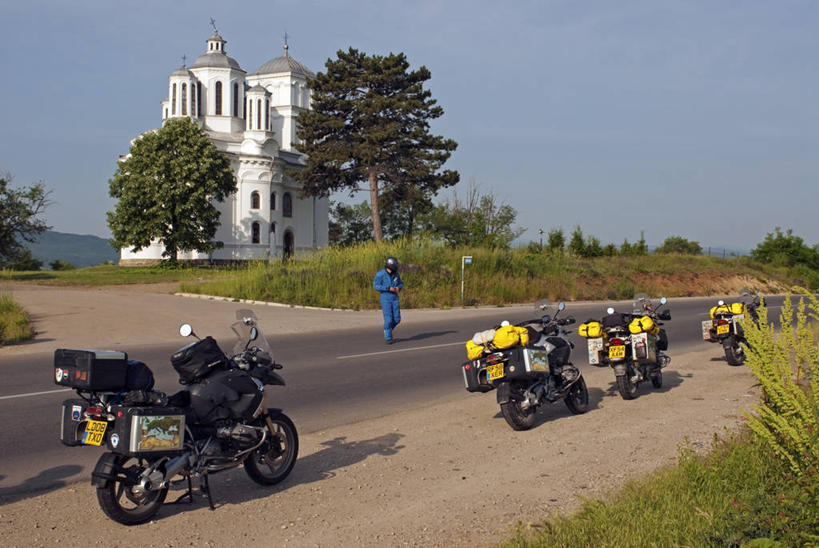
x: 725, y: 327
x: 529, y: 375
x: 217, y: 422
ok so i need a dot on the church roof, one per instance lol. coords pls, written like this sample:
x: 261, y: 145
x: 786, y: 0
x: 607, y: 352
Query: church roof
x: 285, y: 63
x: 257, y: 87
x: 182, y: 71
x: 216, y: 59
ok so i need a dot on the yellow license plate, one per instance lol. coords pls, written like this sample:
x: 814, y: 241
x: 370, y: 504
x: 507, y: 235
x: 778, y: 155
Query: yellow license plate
x: 494, y: 371
x: 617, y: 351
x: 94, y: 432
x: 722, y: 329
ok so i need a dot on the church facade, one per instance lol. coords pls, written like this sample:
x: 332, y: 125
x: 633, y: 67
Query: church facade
x: 252, y: 119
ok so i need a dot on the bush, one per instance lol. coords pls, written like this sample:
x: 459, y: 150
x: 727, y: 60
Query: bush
x: 60, y: 264
x: 14, y: 321
x: 678, y: 244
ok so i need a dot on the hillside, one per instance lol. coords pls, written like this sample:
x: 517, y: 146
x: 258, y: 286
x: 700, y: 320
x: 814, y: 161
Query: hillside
x: 78, y: 249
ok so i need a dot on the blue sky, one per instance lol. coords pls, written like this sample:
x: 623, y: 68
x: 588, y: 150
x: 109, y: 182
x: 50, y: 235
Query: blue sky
x: 695, y: 118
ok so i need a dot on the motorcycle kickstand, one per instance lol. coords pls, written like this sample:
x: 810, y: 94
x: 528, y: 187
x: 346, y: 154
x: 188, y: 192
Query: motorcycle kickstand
x: 188, y: 494
x: 206, y: 488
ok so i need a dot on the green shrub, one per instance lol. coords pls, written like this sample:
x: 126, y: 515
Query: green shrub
x: 14, y: 321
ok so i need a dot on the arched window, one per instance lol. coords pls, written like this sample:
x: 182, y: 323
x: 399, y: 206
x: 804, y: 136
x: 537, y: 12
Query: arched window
x: 193, y: 100
x: 199, y: 98
x: 218, y: 98
x: 256, y: 233
x: 272, y: 201
x: 184, y: 99
x: 259, y: 114
x: 250, y: 114
x: 267, y: 114
x: 287, y: 205
x: 273, y: 227
x: 236, y: 99
x: 173, y: 100
x: 255, y: 200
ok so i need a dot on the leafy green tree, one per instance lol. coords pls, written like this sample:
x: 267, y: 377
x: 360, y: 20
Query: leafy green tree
x: 610, y: 250
x: 350, y: 224
x: 60, y: 264
x: 19, y: 222
x: 576, y: 243
x: 786, y: 249
x: 370, y: 123
x: 678, y: 244
x: 556, y: 239
x: 166, y: 187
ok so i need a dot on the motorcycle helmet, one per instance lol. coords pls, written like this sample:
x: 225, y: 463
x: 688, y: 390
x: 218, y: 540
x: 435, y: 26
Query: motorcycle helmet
x: 391, y: 263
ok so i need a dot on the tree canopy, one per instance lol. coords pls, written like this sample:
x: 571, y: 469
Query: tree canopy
x: 19, y: 222
x: 678, y: 244
x: 786, y: 249
x: 370, y: 122
x: 166, y: 187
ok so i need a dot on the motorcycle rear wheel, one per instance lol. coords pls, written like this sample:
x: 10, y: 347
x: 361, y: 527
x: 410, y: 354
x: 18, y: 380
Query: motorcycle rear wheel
x: 656, y: 377
x: 274, y: 459
x: 517, y: 417
x: 626, y: 387
x: 577, y: 399
x: 123, y: 501
x: 735, y: 355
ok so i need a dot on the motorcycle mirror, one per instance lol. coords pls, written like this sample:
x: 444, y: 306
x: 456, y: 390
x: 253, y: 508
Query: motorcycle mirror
x: 663, y: 300
x: 720, y: 302
x: 185, y: 330
x: 561, y: 305
x: 609, y: 310
x: 254, y: 333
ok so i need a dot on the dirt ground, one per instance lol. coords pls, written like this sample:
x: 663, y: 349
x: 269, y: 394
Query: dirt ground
x: 450, y: 474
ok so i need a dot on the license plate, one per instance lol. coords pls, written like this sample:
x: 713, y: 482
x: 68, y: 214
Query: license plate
x: 617, y: 351
x: 723, y: 329
x: 494, y: 371
x: 94, y: 432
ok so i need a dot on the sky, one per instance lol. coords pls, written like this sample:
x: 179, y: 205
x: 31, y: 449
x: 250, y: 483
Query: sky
x: 690, y: 118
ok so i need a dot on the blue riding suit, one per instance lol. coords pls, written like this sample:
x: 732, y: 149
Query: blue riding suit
x: 390, y: 307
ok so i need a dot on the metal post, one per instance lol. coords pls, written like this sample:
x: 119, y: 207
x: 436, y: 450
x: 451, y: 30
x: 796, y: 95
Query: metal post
x: 465, y: 260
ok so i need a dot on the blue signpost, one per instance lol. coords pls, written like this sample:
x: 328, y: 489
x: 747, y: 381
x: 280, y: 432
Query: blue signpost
x: 465, y: 260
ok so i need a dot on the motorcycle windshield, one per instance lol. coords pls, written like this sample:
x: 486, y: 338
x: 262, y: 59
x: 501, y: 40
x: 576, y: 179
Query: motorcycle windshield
x: 244, y: 329
x: 642, y: 302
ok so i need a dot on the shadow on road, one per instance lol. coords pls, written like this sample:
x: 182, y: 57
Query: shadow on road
x: 422, y: 336
x: 235, y: 487
x: 44, y: 482
x: 671, y: 379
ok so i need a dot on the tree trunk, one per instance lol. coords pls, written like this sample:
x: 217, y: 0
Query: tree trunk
x: 377, y: 234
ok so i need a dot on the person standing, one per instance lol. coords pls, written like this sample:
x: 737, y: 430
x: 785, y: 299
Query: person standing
x: 388, y: 283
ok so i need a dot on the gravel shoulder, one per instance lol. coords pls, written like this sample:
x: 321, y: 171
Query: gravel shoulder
x: 450, y: 474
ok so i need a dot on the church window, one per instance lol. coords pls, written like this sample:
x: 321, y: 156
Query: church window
x: 250, y: 114
x: 272, y: 227
x: 267, y: 114
x: 257, y: 233
x: 199, y: 98
x: 259, y: 114
x: 218, y: 98
x: 255, y: 200
x: 235, y: 99
x: 272, y: 201
x: 287, y: 205
x: 184, y: 99
x: 173, y: 99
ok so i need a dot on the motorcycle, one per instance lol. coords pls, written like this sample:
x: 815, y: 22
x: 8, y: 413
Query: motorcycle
x: 725, y: 328
x: 534, y: 371
x: 631, y: 344
x: 219, y: 421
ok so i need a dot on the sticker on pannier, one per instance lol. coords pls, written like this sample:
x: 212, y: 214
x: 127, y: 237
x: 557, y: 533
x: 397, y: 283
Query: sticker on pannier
x: 590, y: 330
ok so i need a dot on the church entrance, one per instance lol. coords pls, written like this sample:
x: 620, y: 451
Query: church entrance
x: 287, y: 252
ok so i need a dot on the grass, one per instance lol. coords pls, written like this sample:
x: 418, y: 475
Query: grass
x: 739, y: 495
x: 14, y: 321
x: 116, y: 275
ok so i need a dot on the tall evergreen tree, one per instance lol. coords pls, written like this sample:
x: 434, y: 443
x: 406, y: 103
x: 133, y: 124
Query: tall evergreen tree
x: 166, y: 187
x: 370, y: 123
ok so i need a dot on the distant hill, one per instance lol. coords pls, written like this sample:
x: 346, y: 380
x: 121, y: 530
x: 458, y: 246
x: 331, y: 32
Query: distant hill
x: 78, y: 249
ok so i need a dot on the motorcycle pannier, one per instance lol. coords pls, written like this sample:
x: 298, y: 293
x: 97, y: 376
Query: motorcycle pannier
x: 72, y: 417
x: 590, y: 330
x: 94, y: 370
x: 147, y: 431
x: 475, y: 377
x: 197, y: 359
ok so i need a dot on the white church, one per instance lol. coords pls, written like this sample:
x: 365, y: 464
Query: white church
x: 252, y: 119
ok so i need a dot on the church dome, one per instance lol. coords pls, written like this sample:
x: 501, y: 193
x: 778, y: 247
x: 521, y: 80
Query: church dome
x: 182, y: 71
x: 215, y: 56
x: 285, y: 63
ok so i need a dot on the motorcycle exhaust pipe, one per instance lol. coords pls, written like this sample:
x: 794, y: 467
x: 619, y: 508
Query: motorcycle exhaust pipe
x: 176, y: 465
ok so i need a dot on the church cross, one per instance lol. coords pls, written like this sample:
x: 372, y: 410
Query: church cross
x: 184, y: 59
x: 213, y: 24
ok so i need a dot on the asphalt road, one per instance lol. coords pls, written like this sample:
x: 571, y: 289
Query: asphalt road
x: 334, y: 377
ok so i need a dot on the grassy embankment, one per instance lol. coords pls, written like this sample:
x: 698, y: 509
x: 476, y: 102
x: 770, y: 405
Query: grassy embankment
x: 117, y: 275
x: 342, y: 278
x: 14, y: 321
x: 757, y: 488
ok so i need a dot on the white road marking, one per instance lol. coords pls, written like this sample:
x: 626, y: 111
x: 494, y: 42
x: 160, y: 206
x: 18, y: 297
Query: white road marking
x: 397, y: 350
x: 35, y: 394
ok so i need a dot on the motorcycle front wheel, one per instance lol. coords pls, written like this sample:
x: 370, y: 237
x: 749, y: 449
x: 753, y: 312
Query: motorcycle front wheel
x: 123, y: 499
x: 626, y: 387
x: 577, y: 399
x: 734, y: 354
x: 274, y: 459
x: 656, y: 378
x: 517, y: 417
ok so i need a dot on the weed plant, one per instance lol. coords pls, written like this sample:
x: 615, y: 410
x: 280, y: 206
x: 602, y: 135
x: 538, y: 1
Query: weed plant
x: 15, y: 325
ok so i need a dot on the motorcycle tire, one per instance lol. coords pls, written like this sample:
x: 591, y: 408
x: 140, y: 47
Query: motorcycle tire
x: 577, y: 399
x: 656, y: 378
x: 626, y: 387
x: 122, y: 500
x: 735, y: 355
x: 517, y: 417
x: 274, y: 459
